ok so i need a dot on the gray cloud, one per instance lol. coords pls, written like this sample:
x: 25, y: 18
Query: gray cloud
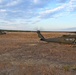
x: 28, y: 9
x: 41, y: 3
x: 72, y: 5
x: 8, y: 3
x: 1, y: 1
x: 13, y: 2
x: 51, y: 13
x: 61, y: 1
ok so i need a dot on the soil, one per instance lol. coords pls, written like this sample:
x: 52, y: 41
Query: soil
x: 22, y: 53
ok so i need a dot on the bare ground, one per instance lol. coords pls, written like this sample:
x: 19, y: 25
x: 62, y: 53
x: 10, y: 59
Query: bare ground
x: 21, y: 53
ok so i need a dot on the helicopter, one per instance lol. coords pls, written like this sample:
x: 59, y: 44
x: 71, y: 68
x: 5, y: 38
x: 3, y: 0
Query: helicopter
x: 2, y: 32
x: 66, y: 39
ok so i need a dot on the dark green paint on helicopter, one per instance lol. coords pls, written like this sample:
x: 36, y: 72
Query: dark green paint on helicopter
x: 67, y: 39
x: 2, y: 32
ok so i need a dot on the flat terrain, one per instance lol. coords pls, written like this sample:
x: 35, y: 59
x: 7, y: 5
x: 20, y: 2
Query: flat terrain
x: 22, y: 53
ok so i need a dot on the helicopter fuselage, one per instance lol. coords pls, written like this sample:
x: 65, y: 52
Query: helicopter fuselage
x: 61, y: 40
x: 68, y: 39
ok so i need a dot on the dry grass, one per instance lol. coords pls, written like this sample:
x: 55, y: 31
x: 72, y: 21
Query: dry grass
x: 23, y: 54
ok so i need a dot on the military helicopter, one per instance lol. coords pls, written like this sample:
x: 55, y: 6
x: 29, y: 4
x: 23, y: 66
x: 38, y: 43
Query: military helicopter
x: 66, y: 39
x: 2, y: 32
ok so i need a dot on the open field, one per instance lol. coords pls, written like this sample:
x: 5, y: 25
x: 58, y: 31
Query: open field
x: 22, y: 53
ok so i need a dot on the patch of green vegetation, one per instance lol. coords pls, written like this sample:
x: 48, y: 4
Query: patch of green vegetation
x: 74, y: 68
x: 66, y: 68
x: 69, y: 67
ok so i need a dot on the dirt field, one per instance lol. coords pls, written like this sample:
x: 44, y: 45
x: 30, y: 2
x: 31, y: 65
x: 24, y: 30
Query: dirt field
x: 22, y: 53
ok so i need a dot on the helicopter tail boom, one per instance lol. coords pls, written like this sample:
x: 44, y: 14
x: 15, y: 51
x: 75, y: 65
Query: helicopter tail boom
x: 40, y: 36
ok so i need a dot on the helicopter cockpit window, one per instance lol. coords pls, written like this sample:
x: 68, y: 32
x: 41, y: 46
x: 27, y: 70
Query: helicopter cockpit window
x: 70, y: 39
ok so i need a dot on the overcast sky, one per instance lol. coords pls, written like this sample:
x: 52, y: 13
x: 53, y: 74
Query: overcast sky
x: 37, y: 14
